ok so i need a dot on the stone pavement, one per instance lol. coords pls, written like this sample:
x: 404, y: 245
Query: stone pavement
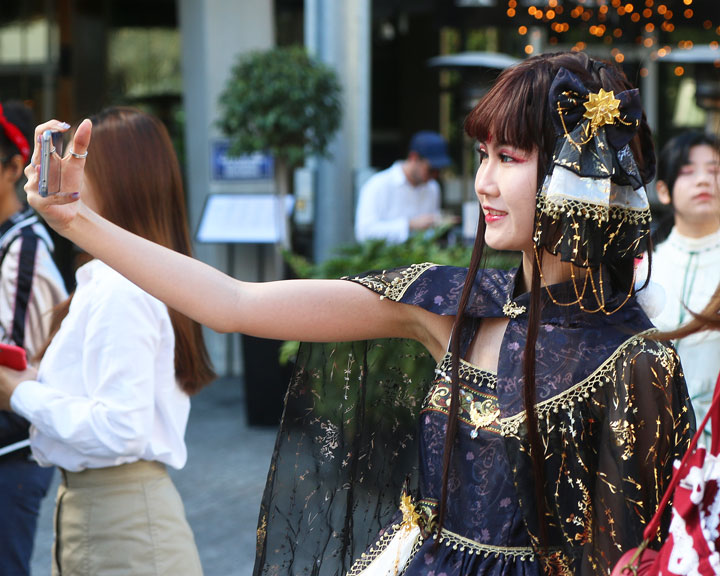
x: 221, y: 484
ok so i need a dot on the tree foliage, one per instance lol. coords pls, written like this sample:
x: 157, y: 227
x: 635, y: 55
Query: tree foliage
x: 280, y: 101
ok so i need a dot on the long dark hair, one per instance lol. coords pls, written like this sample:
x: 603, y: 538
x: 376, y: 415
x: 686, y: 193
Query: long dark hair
x: 516, y: 111
x: 673, y: 156
x: 136, y: 177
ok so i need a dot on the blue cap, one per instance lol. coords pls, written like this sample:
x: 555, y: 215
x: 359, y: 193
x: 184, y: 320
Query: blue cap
x: 432, y: 147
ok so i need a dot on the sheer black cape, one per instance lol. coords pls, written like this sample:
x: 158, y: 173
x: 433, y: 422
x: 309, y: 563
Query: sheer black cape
x: 612, y: 406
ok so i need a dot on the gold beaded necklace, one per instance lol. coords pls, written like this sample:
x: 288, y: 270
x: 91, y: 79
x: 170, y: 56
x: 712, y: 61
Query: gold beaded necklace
x: 581, y: 294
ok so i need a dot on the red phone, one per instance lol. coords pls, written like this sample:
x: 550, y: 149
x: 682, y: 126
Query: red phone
x: 13, y: 356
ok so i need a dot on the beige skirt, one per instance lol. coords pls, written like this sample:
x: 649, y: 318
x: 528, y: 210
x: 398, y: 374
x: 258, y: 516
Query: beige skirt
x: 124, y: 520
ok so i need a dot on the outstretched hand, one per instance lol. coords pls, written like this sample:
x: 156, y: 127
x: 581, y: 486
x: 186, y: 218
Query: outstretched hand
x: 59, y: 209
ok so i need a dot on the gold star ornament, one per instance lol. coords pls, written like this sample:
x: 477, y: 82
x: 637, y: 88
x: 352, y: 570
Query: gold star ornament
x: 410, y: 515
x: 602, y: 108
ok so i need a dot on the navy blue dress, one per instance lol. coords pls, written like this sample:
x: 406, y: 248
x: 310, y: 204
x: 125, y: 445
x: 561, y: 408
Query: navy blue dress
x: 484, y: 532
x: 359, y: 429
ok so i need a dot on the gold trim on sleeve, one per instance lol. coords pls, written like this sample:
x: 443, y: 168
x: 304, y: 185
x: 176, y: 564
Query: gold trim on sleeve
x: 393, y: 289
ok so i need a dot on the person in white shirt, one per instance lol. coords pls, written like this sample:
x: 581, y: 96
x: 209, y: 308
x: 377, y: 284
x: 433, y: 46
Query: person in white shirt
x: 405, y: 197
x: 687, y: 263
x: 110, y: 401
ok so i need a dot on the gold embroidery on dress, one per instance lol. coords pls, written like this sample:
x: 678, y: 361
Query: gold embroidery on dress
x: 483, y: 417
x: 477, y: 409
x: 557, y: 563
x: 584, y: 519
x: 427, y: 508
x: 580, y: 392
x: 513, y: 310
x: 393, y: 289
x: 329, y: 442
x: 554, y: 559
x: 624, y: 436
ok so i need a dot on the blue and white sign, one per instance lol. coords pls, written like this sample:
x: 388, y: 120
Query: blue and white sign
x: 257, y: 166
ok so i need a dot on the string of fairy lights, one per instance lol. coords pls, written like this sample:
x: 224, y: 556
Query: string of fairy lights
x: 639, y: 22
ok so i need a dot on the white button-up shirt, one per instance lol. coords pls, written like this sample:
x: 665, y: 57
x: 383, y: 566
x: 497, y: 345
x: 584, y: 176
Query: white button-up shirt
x: 388, y: 202
x: 106, y: 392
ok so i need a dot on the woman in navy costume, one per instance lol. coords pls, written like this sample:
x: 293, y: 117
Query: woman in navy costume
x: 547, y: 435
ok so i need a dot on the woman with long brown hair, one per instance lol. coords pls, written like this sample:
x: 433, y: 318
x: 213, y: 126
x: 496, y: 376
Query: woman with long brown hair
x: 110, y: 401
x: 548, y: 433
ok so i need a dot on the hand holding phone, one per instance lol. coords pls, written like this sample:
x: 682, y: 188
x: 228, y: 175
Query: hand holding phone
x: 13, y: 357
x: 50, y: 144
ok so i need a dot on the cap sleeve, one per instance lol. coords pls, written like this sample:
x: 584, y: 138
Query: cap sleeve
x: 431, y: 286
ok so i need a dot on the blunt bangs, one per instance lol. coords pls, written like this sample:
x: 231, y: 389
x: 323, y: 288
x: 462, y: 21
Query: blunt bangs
x: 513, y: 111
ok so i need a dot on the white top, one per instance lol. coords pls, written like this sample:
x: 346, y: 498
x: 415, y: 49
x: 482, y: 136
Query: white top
x: 689, y: 271
x: 106, y: 392
x: 388, y: 202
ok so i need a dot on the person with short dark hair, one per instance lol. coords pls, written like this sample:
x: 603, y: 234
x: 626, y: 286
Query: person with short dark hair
x: 405, y: 197
x: 30, y: 286
x: 686, y: 264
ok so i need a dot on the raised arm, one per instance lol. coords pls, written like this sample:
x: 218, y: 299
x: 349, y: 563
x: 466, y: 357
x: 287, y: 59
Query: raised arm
x: 314, y: 310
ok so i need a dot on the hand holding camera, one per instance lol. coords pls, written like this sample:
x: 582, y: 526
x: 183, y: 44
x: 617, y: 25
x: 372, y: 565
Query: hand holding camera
x: 55, y: 181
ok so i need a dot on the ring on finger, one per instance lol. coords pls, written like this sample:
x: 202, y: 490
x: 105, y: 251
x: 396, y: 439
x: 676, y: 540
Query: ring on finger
x: 76, y: 155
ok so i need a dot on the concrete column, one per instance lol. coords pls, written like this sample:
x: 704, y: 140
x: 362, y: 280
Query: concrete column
x: 649, y: 85
x: 338, y: 33
x: 214, y: 33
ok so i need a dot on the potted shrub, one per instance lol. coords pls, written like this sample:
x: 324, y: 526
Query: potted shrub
x: 285, y: 103
x: 282, y: 102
